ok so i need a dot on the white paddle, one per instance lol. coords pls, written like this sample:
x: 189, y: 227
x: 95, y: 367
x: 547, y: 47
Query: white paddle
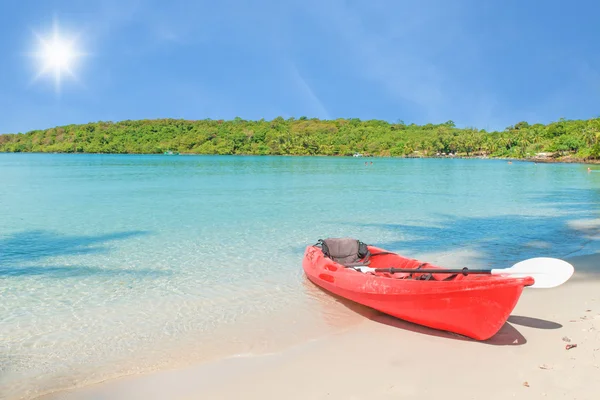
x: 547, y: 272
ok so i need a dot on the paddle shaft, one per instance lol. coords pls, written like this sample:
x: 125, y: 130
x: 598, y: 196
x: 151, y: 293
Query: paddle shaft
x: 464, y: 271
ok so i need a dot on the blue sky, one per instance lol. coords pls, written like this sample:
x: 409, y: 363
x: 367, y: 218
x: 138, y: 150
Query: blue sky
x: 487, y: 64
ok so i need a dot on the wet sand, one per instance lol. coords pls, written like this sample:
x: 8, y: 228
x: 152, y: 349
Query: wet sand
x: 385, y: 358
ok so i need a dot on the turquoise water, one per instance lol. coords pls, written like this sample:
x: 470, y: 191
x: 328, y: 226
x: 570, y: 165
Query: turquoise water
x: 118, y: 264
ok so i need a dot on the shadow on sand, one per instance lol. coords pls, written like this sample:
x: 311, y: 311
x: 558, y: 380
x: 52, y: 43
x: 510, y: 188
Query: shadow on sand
x: 533, y: 322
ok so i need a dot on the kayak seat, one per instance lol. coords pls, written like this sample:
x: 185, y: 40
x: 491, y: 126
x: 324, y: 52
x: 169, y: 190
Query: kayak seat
x: 348, y: 252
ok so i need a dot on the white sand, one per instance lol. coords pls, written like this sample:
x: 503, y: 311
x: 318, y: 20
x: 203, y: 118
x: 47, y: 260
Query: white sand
x: 384, y: 358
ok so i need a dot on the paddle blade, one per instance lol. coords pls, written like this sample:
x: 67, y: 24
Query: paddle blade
x: 547, y: 272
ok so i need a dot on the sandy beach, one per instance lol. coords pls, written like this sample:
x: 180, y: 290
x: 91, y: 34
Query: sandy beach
x: 385, y: 358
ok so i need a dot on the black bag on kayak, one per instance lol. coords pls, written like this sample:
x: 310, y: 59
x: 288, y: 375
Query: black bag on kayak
x: 346, y: 251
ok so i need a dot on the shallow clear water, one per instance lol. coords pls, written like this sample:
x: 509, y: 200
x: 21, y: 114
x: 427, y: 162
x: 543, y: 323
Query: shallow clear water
x: 112, y: 265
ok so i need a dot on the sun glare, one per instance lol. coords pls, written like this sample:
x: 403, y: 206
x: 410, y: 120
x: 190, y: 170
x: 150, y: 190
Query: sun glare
x: 57, y: 56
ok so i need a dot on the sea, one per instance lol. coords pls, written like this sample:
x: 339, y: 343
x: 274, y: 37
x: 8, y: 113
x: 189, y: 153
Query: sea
x: 116, y: 265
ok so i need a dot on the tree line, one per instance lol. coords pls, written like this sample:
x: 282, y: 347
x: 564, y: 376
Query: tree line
x: 578, y: 139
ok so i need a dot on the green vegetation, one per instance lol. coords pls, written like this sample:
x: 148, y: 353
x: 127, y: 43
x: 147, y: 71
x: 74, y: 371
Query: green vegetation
x: 573, y: 139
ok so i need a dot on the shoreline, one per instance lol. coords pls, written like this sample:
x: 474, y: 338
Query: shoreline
x: 388, y: 356
x: 548, y: 160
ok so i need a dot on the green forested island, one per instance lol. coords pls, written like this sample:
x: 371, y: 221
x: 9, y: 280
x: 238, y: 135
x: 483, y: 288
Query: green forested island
x: 560, y: 140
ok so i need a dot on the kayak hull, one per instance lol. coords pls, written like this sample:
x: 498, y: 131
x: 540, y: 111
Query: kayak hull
x: 476, y: 306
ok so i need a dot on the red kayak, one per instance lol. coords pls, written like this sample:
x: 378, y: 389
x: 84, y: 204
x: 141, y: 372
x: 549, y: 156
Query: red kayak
x: 476, y: 306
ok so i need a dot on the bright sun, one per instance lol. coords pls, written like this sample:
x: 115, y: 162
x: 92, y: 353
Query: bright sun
x: 57, y: 55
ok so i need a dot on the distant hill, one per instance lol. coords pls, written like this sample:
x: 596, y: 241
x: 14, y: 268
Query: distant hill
x: 573, y: 139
